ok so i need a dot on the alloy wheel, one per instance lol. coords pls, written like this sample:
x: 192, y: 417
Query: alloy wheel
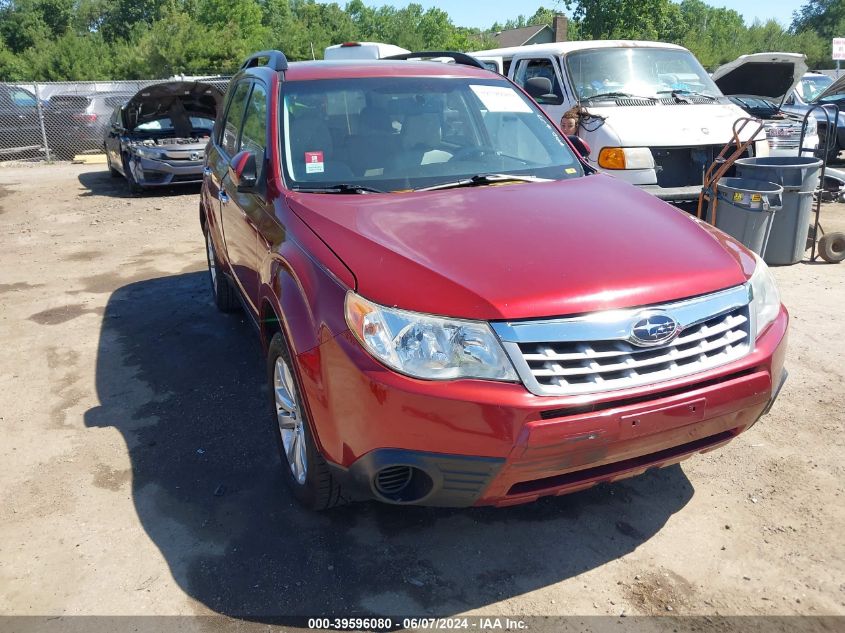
x: 291, y: 426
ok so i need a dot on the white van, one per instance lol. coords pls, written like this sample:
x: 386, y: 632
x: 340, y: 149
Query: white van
x: 362, y: 50
x: 656, y: 120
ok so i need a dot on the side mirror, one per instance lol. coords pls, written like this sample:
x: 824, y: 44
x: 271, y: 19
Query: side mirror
x: 243, y: 171
x: 581, y: 146
x: 540, y: 89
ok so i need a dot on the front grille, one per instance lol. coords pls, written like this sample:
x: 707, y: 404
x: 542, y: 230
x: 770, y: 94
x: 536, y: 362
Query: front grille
x: 616, y: 364
x: 783, y: 135
x: 685, y: 166
x: 593, y: 353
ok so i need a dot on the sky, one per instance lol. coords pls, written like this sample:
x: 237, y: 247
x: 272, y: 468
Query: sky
x: 484, y: 13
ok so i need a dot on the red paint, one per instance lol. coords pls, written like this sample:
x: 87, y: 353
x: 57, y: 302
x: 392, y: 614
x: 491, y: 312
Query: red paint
x: 505, y: 252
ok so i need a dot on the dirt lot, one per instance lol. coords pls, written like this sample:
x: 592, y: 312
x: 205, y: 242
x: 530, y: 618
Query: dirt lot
x: 140, y: 475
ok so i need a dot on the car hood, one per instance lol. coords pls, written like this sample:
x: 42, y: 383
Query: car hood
x: 523, y: 250
x: 771, y: 75
x: 834, y: 88
x: 196, y: 98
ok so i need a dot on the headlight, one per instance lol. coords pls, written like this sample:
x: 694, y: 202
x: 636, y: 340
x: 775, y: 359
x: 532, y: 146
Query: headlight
x: 765, y: 299
x: 427, y: 346
x: 147, y: 152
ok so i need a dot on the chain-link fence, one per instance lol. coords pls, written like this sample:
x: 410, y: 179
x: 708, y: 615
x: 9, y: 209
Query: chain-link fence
x: 60, y: 120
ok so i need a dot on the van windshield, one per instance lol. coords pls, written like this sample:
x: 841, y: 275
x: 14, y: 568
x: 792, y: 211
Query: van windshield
x: 638, y: 72
x: 401, y: 133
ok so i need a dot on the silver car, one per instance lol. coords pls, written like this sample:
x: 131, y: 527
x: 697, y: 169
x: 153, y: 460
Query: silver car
x: 158, y: 137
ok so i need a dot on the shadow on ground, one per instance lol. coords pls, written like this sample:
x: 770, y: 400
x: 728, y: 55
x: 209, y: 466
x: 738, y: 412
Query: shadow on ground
x: 101, y: 183
x: 184, y: 385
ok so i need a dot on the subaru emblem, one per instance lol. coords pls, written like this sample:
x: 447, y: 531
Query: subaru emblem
x: 653, y: 328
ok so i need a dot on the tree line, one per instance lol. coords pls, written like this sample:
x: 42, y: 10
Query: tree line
x: 67, y: 40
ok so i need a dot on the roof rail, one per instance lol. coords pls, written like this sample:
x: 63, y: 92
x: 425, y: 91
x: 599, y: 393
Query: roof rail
x: 460, y: 58
x: 275, y: 60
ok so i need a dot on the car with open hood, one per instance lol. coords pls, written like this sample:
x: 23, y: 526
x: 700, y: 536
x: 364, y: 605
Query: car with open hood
x: 455, y: 308
x: 833, y: 95
x: 759, y: 84
x: 158, y: 136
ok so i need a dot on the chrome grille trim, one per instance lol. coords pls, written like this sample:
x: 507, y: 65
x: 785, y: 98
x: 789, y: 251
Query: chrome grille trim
x: 591, y: 353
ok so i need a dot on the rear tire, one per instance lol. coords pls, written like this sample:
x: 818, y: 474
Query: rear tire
x: 304, y: 469
x: 832, y: 247
x: 221, y: 288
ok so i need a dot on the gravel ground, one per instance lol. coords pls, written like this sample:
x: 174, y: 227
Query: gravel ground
x: 140, y: 475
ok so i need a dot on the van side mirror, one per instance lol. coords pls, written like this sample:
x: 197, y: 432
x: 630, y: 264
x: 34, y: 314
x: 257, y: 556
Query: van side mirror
x: 243, y: 171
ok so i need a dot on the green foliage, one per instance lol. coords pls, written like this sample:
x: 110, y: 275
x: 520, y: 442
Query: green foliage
x: 825, y: 17
x: 133, y: 39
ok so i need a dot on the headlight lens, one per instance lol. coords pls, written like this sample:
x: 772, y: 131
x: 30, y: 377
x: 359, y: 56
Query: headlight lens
x: 765, y: 299
x: 812, y: 126
x: 426, y: 346
x: 147, y: 152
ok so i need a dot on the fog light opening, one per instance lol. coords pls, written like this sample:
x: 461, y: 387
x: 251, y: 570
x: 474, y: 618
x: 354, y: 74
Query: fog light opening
x: 402, y: 484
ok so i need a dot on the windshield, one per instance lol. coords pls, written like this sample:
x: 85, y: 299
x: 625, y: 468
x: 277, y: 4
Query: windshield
x: 812, y: 87
x: 400, y: 133
x: 165, y: 124
x: 836, y: 95
x: 638, y: 72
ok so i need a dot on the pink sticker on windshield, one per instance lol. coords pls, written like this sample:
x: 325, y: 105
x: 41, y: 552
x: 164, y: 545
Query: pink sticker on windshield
x: 314, y: 162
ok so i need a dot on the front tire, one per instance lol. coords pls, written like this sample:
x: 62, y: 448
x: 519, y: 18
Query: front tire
x: 305, y: 471
x: 221, y: 288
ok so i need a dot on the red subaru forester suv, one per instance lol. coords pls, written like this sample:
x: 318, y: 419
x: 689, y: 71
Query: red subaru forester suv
x: 456, y: 311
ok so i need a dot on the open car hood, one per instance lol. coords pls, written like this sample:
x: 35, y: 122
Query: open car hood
x: 771, y: 75
x: 172, y: 98
x: 834, y: 88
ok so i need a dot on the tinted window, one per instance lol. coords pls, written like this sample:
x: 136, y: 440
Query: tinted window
x: 529, y: 68
x: 234, y: 117
x: 254, y: 135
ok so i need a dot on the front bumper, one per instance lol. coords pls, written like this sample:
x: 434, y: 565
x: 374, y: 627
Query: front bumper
x: 149, y: 172
x: 484, y: 443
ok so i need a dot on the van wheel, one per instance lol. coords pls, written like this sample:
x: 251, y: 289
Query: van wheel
x: 305, y: 471
x: 224, y: 294
x: 832, y: 247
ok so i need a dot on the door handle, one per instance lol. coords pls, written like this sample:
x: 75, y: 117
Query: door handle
x: 206, y: 171
x: 222, y: 196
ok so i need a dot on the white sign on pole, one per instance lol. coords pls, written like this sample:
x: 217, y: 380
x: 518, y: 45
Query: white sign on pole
x: 839, y: 48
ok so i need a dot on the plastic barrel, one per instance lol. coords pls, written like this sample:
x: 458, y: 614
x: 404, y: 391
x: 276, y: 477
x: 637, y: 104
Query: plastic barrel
x: 745, y: 208
x: 799, y: 177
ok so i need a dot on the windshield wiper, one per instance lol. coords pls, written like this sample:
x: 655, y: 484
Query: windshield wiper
x: 680, y: 93
x: 614, y: 95
x: 343, y: 187
x: 483, y: 179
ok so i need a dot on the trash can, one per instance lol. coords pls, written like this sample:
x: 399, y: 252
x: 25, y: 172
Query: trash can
x: 745, y: 208
x: 799, y: 177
